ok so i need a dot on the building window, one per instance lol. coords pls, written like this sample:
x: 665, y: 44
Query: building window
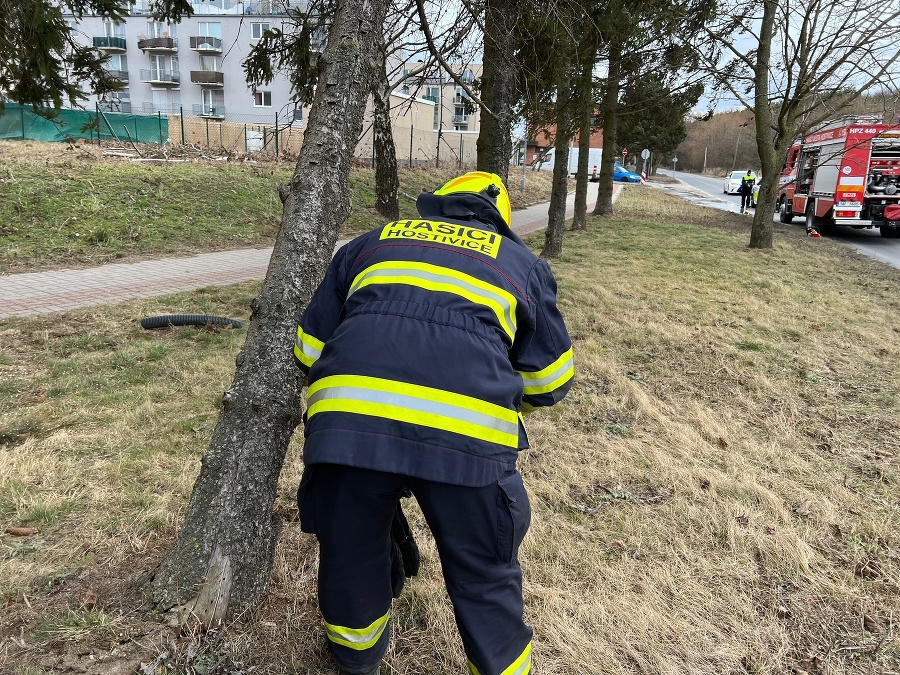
x: 213, y: 102
x: 117, y: 62
x: 111, y: 29
x: 298, y: 114
x: 208, y: 29
x: 257, y: 30
x: 158, y: 29
x: 262, y: 99
x: 210, y: 63
x: 468, y: 77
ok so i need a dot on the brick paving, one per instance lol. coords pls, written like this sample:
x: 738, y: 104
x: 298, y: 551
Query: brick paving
x: 59, y: 290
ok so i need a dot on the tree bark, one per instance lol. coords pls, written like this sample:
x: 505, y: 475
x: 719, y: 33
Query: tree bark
x: 585, y: 91
x: 221, y: 562
x: 609, y: 109
x: 498, y: 79
x: 556, y: 214
x: 761, y: 231
x: 387, y: 182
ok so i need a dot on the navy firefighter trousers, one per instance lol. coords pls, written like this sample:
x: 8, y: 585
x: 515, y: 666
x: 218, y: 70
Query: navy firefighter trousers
x: 478, y: 531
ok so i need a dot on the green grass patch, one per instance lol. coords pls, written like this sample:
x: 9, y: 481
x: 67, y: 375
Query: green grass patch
x: 74, y: 624
x: 58, y: 207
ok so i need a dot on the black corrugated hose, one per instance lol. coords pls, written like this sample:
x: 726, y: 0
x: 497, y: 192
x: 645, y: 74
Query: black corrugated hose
x: 167, y: 320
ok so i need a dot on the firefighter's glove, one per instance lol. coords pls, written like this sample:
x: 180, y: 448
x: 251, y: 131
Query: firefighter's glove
x: 404, y: 552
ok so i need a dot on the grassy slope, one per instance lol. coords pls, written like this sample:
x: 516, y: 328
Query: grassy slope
x: 718, y: 493
x: 72, y: 207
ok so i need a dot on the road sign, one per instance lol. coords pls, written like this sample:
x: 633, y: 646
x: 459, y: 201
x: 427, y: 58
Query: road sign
x: 674, y: 159
x: 624, y: 152
x: 645, y: 154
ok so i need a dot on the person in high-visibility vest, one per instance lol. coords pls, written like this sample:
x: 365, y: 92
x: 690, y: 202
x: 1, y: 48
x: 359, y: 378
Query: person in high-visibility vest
x: 424, y: 346
x: 746, y: 190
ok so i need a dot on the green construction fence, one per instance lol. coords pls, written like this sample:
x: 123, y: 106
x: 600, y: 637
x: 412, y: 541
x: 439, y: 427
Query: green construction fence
x: 21, y: 122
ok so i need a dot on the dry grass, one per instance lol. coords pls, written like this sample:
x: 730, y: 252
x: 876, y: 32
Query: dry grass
x: 718, y: 494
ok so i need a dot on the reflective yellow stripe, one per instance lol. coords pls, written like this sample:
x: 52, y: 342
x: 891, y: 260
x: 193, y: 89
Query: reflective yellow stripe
x: 527, y: 408
x: 357, y: 638
x: 443, y: 279
x: 415, y: 404
x: 521, y: 666
x: 307, y: 349
x: 552, y: 377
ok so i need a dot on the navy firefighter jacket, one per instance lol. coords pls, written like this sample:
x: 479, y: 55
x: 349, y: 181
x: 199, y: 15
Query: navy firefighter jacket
x: 425, y: 343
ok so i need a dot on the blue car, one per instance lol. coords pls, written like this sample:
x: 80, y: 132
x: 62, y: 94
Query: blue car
x: 623, y: 175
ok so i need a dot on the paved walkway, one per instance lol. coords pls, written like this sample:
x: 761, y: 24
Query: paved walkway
x: 59, y: 290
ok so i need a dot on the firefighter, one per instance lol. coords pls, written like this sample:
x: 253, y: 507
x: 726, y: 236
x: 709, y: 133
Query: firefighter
x: 746, y: 190
x: 424, y: 346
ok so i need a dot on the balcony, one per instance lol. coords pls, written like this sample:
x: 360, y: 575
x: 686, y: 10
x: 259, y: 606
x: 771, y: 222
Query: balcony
x: 211, y: 111
x: 121, y: 75
x: 460, y: 119
x: 158, y: 44
x: 150, y: 108
x: 113, y: 45
x: 206, y: 44
x: 208, y: 78
x: 115, y: 106
x: 161, y: 76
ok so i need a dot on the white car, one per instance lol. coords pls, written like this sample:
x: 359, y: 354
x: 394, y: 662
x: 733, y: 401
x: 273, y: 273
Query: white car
x: 733, y: 182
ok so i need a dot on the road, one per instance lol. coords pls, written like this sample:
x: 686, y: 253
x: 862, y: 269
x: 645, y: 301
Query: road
x: 870, y: 242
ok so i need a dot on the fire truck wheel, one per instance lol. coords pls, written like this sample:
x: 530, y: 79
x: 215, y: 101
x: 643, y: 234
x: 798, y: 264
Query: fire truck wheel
x: 785, y: 215
x: 824, y: 225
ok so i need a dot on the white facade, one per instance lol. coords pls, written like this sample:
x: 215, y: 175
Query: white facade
x: 195, y: 66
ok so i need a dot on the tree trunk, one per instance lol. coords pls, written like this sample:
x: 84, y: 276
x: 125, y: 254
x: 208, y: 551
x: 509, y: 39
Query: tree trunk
x: 222, y: 559
x: 609, y: 109
x: 498, y: 80
x: 556, y: 214
x: 585, y: 91
x: 761, y: 231
x: 387, y: 182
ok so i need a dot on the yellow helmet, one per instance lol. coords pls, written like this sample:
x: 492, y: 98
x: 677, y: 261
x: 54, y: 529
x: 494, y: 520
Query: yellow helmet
x: 488, y: 185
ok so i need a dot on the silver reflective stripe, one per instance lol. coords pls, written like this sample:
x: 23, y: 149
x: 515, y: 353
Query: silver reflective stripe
x: 311, y: 352
x: 521, y: 670
x: 416, y: 404
x: 566, y: 365
x: 364, y: 641
x: 442, y: 279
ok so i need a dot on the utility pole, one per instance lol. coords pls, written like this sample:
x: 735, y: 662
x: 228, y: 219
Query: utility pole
x: 736, y: 144
x: 524, y: 157
x: 437, y: 161
x: 705, y: 150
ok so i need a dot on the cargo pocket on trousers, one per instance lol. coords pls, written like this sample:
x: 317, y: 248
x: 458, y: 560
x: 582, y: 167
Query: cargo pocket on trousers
x: 514, y: 516
x: 305, y: 502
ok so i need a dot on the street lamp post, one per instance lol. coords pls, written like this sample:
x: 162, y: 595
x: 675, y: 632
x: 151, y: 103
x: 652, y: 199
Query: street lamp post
x: 736, y: 144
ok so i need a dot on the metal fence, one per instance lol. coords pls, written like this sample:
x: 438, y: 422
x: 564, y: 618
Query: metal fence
x: 209, y: 130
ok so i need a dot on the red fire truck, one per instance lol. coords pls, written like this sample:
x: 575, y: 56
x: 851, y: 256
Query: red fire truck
x: 845, y: 172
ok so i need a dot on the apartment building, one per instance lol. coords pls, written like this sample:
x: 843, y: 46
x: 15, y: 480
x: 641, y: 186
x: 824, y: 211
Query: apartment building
x: 434, y: 120
x: 194, y: 66
x: 454, y: 110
